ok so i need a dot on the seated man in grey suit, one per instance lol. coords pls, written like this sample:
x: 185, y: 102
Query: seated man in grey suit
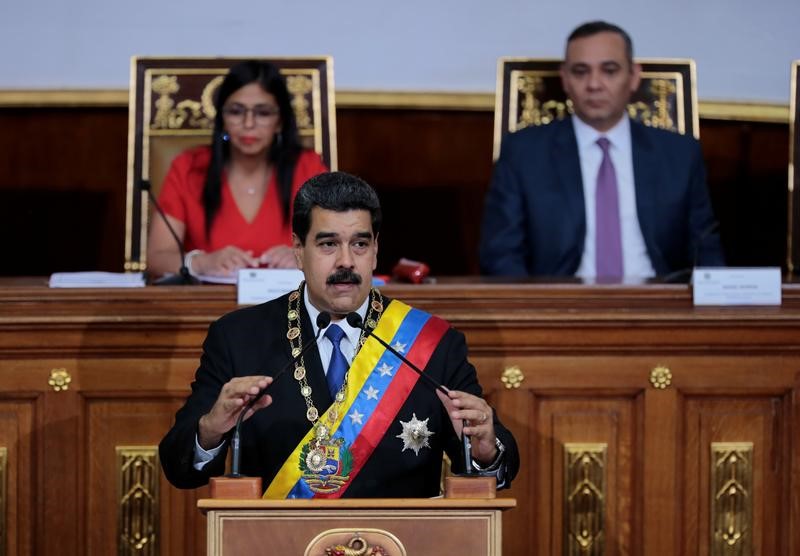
x: 598, y: 195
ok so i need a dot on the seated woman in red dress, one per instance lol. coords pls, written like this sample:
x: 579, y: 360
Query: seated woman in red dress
x: 230, y: 202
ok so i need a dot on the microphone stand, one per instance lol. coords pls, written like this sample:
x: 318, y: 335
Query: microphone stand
x: 323, y: 320
x: 355, y: 320
x: 184, y: 277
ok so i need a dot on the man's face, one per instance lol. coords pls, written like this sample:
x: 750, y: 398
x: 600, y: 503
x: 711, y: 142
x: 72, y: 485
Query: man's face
x: 599, y: 79
x: 338, y: 259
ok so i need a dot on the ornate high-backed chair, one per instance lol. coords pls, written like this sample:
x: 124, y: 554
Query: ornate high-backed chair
x: 794, y: 174
x: 529, y: 92
x: 171, y: 108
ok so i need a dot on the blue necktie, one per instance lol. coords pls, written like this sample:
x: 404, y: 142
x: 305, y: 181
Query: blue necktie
x: 338, y: 365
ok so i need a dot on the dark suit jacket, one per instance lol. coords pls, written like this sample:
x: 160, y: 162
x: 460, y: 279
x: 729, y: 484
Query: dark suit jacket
x: 535, y: 219
x: 253, y: 341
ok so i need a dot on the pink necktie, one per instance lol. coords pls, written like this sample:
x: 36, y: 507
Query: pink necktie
x: 608, y: 238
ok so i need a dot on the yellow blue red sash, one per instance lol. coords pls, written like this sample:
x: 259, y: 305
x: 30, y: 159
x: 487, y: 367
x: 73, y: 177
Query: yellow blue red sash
x: 378, y: 385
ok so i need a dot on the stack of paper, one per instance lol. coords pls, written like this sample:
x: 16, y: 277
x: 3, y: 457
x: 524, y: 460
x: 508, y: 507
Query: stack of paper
x: 97, y: 280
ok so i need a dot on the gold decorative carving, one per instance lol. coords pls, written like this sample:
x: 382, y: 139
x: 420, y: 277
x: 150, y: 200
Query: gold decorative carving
x: 661, y: 107
x: 731, y: 498
x: 59, y: 379
x: 584, y: 498
x: 138, y: 479
x: 3, y: 501
x: 299, y: 86
x: 197, y: 114
x: 657, y: 114
x: 349, y: 542
x: 187, y: 113
x: 660, y: 377
x: 512, y: 377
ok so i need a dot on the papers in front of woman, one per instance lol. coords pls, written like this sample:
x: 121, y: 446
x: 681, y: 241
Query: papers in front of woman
x: 97, y: 280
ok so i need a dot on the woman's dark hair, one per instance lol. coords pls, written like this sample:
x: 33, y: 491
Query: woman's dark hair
x: 285, y: 147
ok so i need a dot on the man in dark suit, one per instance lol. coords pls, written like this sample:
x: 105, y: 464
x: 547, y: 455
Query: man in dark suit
x: 598, y: 195
x: 348, y: 419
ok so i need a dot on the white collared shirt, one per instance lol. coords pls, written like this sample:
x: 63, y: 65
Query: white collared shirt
x: 348, y: 343
x: 635, y: 260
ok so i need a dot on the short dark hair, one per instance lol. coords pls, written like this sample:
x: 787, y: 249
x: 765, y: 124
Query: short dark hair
x: 593, y: 27
x: 336, y: 191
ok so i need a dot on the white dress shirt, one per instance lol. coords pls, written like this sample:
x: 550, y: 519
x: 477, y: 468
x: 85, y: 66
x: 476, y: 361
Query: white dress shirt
x: 635, y: 260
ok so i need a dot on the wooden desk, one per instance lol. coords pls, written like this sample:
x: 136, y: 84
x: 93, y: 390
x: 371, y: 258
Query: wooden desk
x: 607, y: 456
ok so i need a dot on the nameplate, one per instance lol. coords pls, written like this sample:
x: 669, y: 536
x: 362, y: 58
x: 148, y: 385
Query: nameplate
x: 257, y: 285
x: 737, y: 286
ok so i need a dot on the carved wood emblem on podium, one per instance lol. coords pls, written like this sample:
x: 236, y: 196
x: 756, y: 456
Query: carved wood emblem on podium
x: 350, y: 542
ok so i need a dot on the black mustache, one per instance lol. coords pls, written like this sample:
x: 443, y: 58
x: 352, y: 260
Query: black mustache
x: 344, y: 276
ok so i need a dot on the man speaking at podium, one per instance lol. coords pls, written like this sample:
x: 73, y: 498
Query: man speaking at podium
x: 349, y: 418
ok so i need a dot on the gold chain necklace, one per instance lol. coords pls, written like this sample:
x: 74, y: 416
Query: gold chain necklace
x: 295, y: 337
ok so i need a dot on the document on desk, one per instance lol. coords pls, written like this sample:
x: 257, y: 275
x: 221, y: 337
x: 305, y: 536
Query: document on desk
x: 97, y: 280
x: 737, y: 286
x: 258, y: 285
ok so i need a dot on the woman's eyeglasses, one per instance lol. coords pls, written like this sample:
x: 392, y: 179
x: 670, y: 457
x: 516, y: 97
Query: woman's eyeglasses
x: 263, y: 115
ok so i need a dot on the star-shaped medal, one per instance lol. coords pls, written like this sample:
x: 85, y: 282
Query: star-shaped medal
x: 415, y: 434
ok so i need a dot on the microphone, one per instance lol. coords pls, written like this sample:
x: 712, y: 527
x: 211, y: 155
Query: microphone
x: 183, y: 277
x: 355, y: 320
x: 323, y: 320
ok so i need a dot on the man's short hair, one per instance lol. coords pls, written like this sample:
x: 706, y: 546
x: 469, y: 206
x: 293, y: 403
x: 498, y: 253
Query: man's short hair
x: 336, y: 191
x: 593, y: 27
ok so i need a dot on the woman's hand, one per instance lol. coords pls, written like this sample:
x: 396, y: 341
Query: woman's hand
x: 280, y: 256
x: 224, y: 262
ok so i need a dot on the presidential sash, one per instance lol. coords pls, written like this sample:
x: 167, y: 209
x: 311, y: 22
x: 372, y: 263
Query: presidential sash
x: 332, y: 453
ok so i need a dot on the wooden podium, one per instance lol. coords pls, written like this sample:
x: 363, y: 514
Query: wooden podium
x: 399, y: 527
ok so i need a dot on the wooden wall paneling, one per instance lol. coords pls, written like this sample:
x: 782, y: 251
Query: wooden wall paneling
x: 429, y: 166
x: 62, y: 189
x: 431, y: 170
x: 585, y: 357
x: 132, y: 402
x: 747, y: 166
x: 515, y: 408
x: 63, y: 445
x: 755, y: 419
x: 585, y: 417
x: 18, y: 413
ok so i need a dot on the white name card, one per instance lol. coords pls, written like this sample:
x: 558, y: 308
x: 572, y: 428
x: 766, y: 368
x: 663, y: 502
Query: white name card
x: 737, y: 286
x: 257, y: 285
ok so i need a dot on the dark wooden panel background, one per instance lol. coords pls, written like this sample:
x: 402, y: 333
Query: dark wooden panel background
x: 62, y: 185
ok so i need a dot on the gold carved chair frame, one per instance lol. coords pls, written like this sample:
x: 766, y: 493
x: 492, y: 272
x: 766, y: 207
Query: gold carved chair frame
x: 171, y: 108
x: 793, y: 239
x: 529, y: 92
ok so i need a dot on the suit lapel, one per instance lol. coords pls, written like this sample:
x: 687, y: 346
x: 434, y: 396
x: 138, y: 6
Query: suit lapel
x: 568, y: 169
x: 645, y: 179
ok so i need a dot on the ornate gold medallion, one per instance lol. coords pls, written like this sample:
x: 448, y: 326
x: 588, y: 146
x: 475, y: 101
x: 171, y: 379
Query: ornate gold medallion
x: 295, y: 337
x: 415, y: 434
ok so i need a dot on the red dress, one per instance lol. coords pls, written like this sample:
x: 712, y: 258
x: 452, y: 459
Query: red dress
x: 182, y: 197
